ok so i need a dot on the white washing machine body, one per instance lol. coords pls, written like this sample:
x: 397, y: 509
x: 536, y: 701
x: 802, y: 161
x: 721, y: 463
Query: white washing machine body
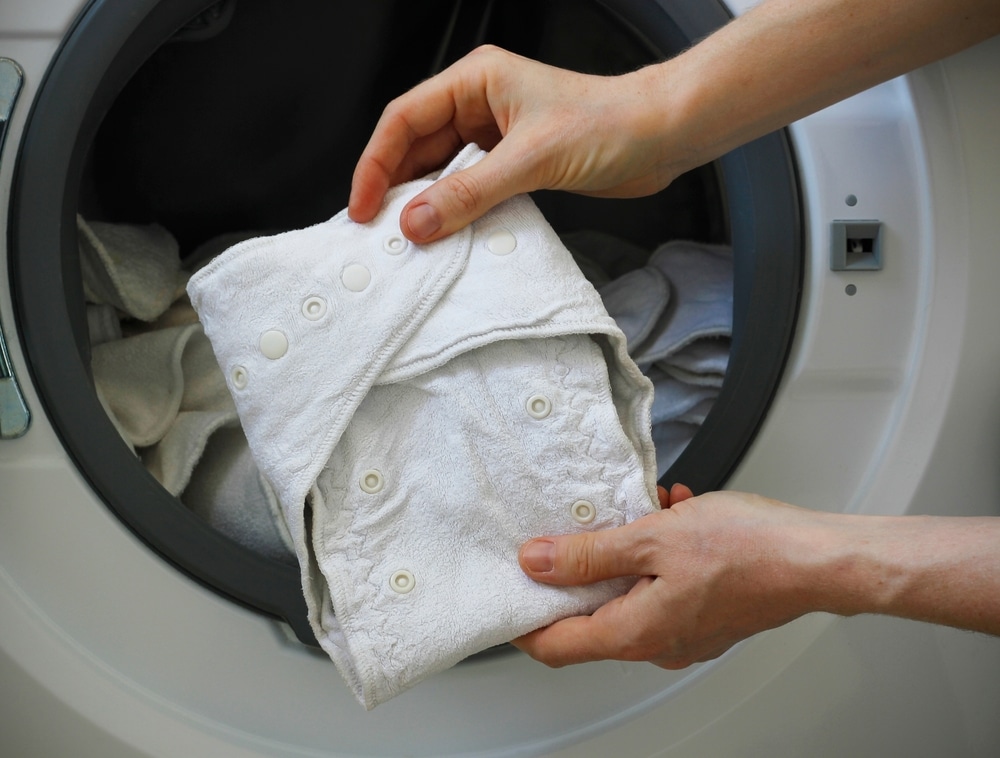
x: 889, y: 404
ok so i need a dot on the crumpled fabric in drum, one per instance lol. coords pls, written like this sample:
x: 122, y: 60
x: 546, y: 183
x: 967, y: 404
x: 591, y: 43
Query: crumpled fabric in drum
x: 157, y: 378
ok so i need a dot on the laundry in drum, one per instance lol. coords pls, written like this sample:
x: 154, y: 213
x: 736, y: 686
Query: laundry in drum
x: 157, y: 378
x: 400, y: 418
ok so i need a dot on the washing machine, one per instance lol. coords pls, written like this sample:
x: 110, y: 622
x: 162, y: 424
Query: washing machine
x: 862, y: 378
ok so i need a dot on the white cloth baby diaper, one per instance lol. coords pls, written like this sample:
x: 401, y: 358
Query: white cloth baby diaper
x: 421, y: 411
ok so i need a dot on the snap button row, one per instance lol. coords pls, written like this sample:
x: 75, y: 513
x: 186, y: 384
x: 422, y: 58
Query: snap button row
x: 402, y: 581
x: 583, y: 511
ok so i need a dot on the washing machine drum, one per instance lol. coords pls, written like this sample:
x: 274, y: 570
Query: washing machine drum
x: 211, y: 118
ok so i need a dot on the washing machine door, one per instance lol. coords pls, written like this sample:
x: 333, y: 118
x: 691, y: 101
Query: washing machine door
x: 210, y: 118
x: 175, y: 114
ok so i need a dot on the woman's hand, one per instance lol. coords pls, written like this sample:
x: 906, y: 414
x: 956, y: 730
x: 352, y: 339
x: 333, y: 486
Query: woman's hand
x: 631, y: 135
x: 718, y: 568
x: 546, y: 128
x: 713, y: 571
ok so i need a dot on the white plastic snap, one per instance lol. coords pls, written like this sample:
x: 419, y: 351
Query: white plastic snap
x: 273, y: 344
x: 501, y: 242
x: 356, y: 277
x: 583, y: 511
x: 314, y: 308
x: 394, y: 244
x: 239, y: 377
x: 372, y: 481
x: 402, y: 581
x: 538, y: 406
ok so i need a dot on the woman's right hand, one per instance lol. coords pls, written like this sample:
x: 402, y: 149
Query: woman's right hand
x: 545, y: 128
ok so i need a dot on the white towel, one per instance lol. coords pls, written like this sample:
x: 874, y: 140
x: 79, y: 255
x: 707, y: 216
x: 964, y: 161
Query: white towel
x: 421, y: 411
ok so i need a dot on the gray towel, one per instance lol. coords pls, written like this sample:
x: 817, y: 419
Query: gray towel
x: 134, y: 268
x: 636, y: 302
x: 157, y: 379
x: 229, y: 492
x: 165, y: 391
x: 701, y: 304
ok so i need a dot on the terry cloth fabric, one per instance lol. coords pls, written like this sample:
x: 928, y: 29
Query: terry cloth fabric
x: 636, y: 300
x: 103, y: 324
x: 134, y: 268
x: 165, y: 391
x: 701, y: 304
x: 228, y: 491
x: 421, y: 411
x: 676, y: 312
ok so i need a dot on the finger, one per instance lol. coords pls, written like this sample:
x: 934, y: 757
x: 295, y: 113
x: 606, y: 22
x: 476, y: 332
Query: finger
x: 372, y: 179
x: 579, y: 639
x: 678, y: 661
x: 368, y: 187
x: 663, y: 496
x: 412, y: 133
x: 460, y: 198
x: 589, y: 557
x: 679, y: 492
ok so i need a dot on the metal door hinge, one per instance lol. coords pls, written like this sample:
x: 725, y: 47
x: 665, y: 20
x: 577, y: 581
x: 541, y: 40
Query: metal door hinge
x: 14, y: 414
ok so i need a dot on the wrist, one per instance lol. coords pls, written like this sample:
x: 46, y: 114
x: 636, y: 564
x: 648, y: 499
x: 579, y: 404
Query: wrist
x: 670, y: 119
x: 936, y: 569
x: 841, y: 564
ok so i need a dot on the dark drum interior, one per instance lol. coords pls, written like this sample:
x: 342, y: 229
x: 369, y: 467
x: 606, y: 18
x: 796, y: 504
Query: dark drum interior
x: 255, y: 122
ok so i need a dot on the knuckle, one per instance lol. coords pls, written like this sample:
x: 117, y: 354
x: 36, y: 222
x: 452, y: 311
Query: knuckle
x: 487, y: 51
x: 540, y: 652
x: 548, y: 659
x: 465, y: 191
x: 580, y: 556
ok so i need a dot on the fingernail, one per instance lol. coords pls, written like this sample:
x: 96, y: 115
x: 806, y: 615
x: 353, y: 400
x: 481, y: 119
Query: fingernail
x: 539, y: 556
x: 423, y: 220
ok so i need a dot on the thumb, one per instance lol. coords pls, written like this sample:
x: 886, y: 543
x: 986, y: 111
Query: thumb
x: 456, y: 200
x: 585, y: 558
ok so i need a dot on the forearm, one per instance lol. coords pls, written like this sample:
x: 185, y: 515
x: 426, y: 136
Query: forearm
x: 941, y: 570
x: 786, y: 59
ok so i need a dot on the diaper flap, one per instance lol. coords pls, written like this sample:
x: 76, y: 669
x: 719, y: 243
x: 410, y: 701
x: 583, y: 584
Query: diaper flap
x: 273, y: 306
x: 520, y: 282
